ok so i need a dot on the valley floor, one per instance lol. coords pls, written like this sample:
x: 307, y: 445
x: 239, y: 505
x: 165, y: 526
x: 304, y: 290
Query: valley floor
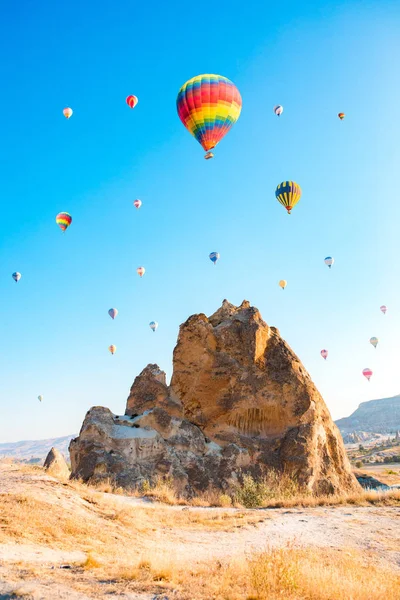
x: 64, y: 540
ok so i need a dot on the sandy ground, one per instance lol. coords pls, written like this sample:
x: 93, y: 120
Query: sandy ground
x: 374, y: 530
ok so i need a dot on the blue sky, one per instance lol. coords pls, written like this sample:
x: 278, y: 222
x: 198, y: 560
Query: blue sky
x: 315, y: 59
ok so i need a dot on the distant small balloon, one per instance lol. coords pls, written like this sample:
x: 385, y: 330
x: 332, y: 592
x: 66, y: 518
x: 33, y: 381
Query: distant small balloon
x: 63, y: 220
x: 214, y: 256
x: 384, y: 309
x: 367, y: 373
x: 140, y: 271
x: 137, y: 203
x: 374, y: 341
x: 341, y: 116
x: 68, y: 112
x: 283, y: 283
x: 153, y: 325
x: 278, y: 110
x: 324, y: 354
x: 16, y: 276
x: 329, y: 261
x: 40, y: 398
x: 112, y: 349
x: 132, y: 101
x: 208, y: 155
x: 113, y: 313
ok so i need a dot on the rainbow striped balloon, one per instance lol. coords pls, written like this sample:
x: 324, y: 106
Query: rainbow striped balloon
x: 208, y: 106
x: 63, y: 220
x: 288, y: 193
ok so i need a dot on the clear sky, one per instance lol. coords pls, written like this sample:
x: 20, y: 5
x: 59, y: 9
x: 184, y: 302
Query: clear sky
x: 314, y: 58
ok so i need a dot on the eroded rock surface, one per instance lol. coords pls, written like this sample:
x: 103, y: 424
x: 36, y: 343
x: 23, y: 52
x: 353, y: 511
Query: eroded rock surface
x: 239, y: 400
x: 56, y: 465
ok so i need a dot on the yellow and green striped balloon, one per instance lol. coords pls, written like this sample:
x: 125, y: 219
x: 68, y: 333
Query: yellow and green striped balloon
x: 288, y: 193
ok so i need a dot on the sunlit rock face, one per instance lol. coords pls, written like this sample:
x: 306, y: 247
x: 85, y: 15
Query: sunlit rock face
x: 239, y: 401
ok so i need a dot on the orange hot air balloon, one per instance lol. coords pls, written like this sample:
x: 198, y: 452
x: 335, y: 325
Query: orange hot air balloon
x: 67, y: 112
x: 140, y: 271
x: 112, y: 349
x: 341, y: 116
x: 132, y: 101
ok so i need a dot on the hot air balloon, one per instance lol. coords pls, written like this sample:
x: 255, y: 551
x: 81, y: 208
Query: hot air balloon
x: 324, y: 354
x: 67, y: 112
x: 374, y: 341
x: 112, y: 349
x: 283, y: 283
x: 63, y: 220
x: 288, y: 193
x: 384, y: 309
x: 329, y: 261
x: 208, y: 155
x: 137, y: 203
x: 132, y: 101
x: 208, y: 106
x: 278, y: 110
x: 40, y: 398
x: 153, y: 325
x: 214, y: 256
x: 113, y: 313
x: 16, y: 276
x: 367, y: 373
x: 341, y: 116
x: 141, y: 271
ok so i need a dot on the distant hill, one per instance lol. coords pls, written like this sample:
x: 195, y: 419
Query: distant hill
x: 378, y: 416
x: 35, y: 449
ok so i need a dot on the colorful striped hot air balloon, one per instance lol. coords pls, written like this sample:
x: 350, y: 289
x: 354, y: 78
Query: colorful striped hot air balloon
x: 132, y: 101
x: 374, y: 341
x: 324, y: 354
x: 140, y: 271
x: 16, y: 276
x: 214, y: 256
x: 278, y: 110
x: 283, y: 283
x: 113, y: 313
x: 208, y: 106
x: 63, y: 220
x: 341, y: 116
x: 153, y: 325
x: 367, y: 373
x: 137, y: 203
x: 384, y: 309
x: 68, y: 112
x: 288, y: 193
x: 329, y: 261
x: 112, y: 349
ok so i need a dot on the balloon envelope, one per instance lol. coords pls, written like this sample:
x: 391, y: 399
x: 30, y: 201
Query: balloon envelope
x: 141, y: 271
x: 16, y: 276
x: 341, y: 116
x: 63, y: 220
x: 137, y: 203
x: 214, y: 256
x: 40, y: 398
x: 153, y: 325
x: 283, y: 283
x: 113, y: 313
x: 384, y: 309
x: 288, y: 193
x: 68, y: 112
x: 208, y: 106
x: 112, y: 349
x: 367, y: 373
x: 324, y: 354
x: 132, y: 101
x: 329, y: 261
x: 374, y: 341
x: 278, y: 110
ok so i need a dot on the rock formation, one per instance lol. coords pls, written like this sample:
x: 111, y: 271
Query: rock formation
x: 239, y: 401
x: 55, y: 465
x: 377, y: 416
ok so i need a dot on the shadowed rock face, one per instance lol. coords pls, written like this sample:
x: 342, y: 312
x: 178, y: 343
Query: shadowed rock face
x: 239, y: 400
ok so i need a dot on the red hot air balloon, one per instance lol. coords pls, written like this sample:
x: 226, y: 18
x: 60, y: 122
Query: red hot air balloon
x: 137, y: 203
x: 324, y: 354
x: 132, y: 101
x: 367, y: 373
x: 384, y: 309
